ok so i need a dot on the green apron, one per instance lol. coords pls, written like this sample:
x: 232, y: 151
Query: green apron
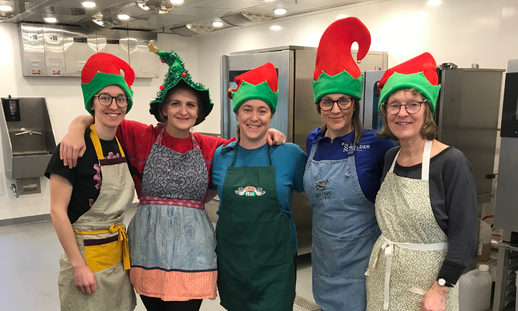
x: 256, y: 270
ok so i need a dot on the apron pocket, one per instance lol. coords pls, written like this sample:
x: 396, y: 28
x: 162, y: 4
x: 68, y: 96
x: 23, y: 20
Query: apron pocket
x: 102, y: 254
x: 355, y: 253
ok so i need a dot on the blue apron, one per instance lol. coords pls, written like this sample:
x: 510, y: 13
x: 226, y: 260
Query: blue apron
x: 344, y: 232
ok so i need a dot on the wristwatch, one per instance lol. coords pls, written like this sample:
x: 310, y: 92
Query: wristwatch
x: 443, y: 282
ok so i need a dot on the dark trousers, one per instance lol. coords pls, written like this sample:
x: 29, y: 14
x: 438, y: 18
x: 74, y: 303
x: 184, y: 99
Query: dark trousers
x: 157, y: 304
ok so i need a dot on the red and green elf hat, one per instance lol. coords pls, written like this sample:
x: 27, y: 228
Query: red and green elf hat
x: 335, y: 69
x: 417, y: 73
x: 176, y: 75
x: 259, y: 83
x: 101, y: 70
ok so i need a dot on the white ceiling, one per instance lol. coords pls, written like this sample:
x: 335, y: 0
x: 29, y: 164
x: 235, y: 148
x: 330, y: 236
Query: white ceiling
x: 197, y: 12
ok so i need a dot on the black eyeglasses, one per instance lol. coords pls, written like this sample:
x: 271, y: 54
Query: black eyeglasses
x: 106, y: 100
x: 344, y: 103
x: 411, y: 107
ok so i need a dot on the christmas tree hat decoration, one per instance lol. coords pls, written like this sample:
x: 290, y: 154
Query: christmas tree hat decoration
x: 102, y: 70
x: 178, y: 75
x: 336, y: 71
x: 417, y: 73
x: 258, y: 83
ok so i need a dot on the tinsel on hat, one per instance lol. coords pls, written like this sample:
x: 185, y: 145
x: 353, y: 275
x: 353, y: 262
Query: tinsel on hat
x: 178, y: 74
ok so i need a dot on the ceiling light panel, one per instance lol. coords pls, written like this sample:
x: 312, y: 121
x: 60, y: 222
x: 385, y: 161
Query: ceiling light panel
x: 280, y: 11
x: 123, y: 17
x: 6, y: 8
x: 50, y: 19
x: 88, y: 4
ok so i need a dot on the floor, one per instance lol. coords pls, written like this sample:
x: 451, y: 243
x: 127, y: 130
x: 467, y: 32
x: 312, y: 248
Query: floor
x: 29, y: 267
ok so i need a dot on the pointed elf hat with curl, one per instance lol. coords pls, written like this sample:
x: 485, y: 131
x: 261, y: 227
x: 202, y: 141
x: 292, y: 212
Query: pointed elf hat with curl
x: 335, y: 69
x: 417, y: 73
x: 101, y: 70
x: 259, y: 83
x: 176, y: 75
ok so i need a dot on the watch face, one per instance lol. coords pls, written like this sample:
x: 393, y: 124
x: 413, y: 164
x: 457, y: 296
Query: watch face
x: 442, y: 282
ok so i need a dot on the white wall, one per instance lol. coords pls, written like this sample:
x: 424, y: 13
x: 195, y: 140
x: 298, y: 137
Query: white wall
x: 458, y: 31
x: 64, y: 102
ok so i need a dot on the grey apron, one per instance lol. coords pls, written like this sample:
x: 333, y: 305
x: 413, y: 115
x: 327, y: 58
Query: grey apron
x: 102, y: 241
x: 344, y: 231
x: 407, y: 257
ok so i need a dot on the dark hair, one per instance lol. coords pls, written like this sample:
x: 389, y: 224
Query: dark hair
x: 169, y: 93
x: 428, y: 130
x: 356, y: 122
x: 238, y: 133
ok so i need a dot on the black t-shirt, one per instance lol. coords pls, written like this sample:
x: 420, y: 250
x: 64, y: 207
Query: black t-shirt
x: 85, y: 177
x: 453, y: 198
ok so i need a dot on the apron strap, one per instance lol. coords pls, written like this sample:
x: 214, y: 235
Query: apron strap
x: 97, y: 144
x: 388, y: 248
x: 426, y: 160
x: 160, y: 134
x: 350, y: 151
x: 425, y: 167
x: 235, y: 153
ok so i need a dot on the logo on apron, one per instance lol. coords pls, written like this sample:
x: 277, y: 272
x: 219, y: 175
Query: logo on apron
x: 250, y: 191
x: 322, y: 192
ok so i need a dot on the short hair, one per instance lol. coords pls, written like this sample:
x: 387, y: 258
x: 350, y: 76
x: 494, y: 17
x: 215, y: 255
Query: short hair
x: 356, y: 121
x: 428, y: 130
x: 169, y: 93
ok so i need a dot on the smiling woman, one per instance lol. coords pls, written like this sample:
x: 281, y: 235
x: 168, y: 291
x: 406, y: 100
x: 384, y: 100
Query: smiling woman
x: 170, y: 168
x: 87, y: 217
x: 256, y: 236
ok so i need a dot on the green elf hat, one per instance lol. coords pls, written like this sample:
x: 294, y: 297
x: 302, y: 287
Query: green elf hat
x: 259, y: 83
x: 177, y: 75
x: 101, y: 70
x: 417, y: 73
x: 335, y: 69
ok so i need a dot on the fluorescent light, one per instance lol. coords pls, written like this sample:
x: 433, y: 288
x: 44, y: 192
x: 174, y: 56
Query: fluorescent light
x: 123, y: 17
x: 6, y: 8
x: 269, y: 0
x: 217, y: 24
x: 88, y: 4
x: 98, y: 22
x: 189, y: 26
x: 275, y: 27
x: 280, y: 11
x: 342, y: 16
x: 433, y: 2
x: 176, y: 1
x: 50, y: 19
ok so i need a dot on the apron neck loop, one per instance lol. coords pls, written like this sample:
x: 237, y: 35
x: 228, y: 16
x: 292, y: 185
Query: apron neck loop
x: 425, y: 167
x: 97, y: 144
x: 235, y: 153
x: 352, y: 145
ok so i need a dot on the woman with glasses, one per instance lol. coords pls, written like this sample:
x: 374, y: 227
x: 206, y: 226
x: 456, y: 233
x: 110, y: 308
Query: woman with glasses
x: 88, y: 201
x: 172, y: 241
x: 426, y: 206
x: 343, y: 172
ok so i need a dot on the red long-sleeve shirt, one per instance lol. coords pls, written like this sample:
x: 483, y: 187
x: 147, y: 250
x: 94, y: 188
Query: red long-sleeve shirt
x: 137, y: 139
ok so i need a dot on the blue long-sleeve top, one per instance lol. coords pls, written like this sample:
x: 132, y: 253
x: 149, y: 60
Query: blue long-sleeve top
x: 368, y: 158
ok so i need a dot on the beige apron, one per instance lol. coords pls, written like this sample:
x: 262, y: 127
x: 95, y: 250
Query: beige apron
x: 102, y: 241
x: 407, y: 257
